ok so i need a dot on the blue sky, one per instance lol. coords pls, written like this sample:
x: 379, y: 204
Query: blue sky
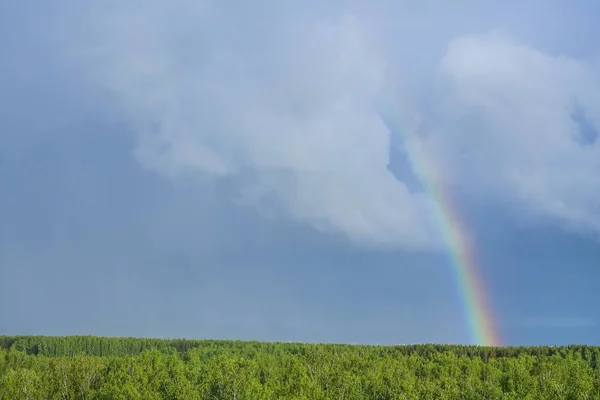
x: 210, y: 171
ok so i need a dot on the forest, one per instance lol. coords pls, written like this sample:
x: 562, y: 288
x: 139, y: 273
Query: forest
x: 88, y: 367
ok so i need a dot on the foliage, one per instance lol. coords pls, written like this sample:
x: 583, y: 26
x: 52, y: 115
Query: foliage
x: 86, y: 368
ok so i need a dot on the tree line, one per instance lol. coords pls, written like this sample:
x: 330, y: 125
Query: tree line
x: 87, y: 367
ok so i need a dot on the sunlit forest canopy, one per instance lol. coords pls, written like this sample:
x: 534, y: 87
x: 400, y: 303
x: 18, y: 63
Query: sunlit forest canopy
x: 56, y: 346
x: 88, y: 367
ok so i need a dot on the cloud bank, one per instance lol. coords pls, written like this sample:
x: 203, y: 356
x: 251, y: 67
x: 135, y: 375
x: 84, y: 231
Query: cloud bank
x: 527, y: 123
x: 283, y: 101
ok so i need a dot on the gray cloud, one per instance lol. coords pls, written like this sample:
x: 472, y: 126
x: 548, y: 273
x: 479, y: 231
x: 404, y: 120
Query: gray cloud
x: 240, y: 102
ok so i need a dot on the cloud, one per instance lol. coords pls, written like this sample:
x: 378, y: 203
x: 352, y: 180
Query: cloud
x: 521, y: 125
x: 281, y: 102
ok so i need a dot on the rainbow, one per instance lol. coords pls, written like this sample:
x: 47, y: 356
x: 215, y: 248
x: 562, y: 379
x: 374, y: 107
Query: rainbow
x: 478, y: 314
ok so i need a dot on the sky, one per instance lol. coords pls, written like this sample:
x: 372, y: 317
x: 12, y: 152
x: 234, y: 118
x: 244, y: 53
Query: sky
x: 241, y: 170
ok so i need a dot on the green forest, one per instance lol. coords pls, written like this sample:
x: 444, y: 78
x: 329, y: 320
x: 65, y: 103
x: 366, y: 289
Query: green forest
x: 88, y: 367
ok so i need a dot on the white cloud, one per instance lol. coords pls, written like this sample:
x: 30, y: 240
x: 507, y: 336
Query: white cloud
x: 507, y: 128
x: 285, y: 98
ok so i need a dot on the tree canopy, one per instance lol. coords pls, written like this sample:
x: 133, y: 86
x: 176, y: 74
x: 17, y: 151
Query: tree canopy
x: 87, y: 367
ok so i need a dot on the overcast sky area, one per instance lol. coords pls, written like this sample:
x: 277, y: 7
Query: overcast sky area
x: 239, y: 170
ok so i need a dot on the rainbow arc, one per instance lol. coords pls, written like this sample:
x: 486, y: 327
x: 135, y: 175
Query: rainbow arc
x: 478, y: 314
